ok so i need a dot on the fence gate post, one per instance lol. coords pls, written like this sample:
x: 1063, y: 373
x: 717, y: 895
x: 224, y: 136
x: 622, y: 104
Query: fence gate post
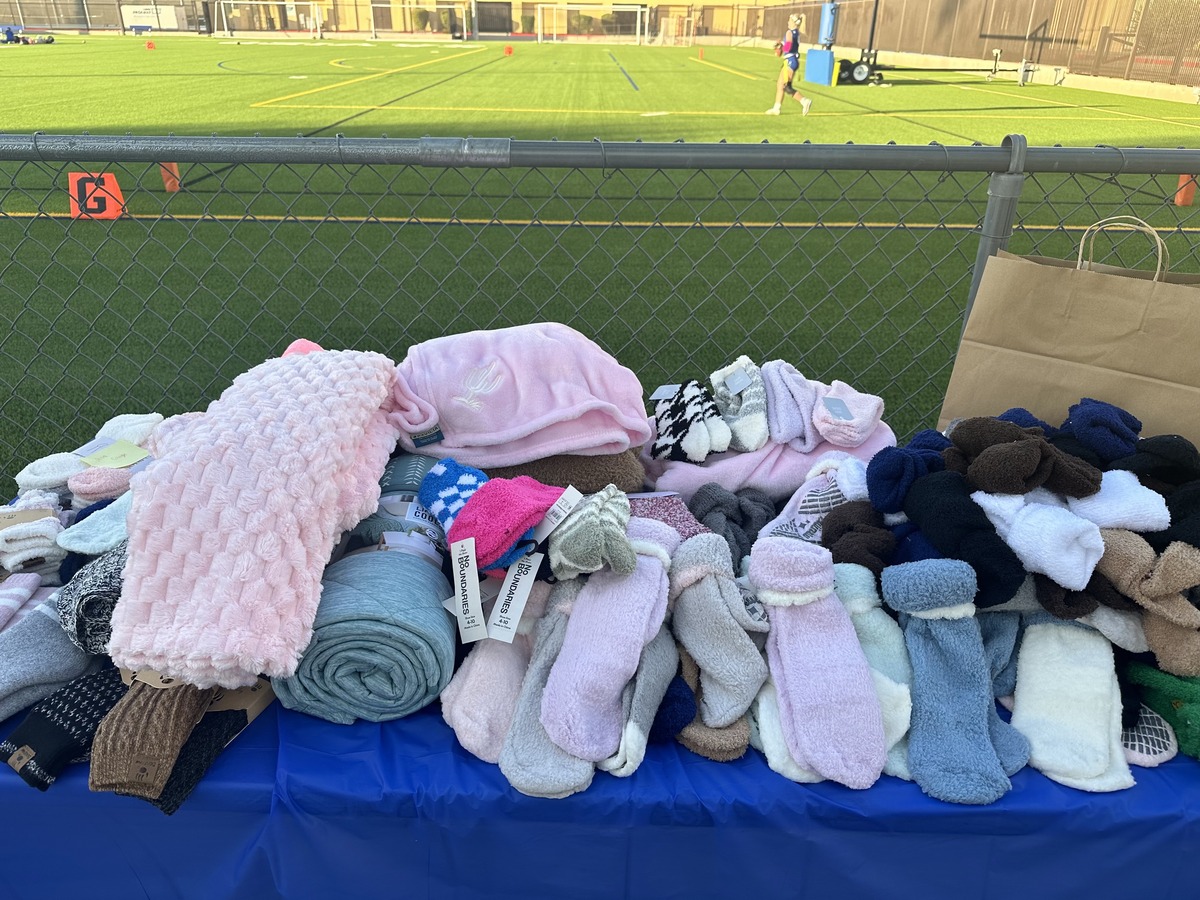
x: 1004, y: 190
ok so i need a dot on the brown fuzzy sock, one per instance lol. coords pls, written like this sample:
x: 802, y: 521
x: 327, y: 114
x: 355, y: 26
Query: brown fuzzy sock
x: 1107, y: 595
x: 1002, y: 458
x: 138, y: 742
x: 589, y: 474
x: 854, y: 533
x: 718, y: 744
x: 1062, y: 603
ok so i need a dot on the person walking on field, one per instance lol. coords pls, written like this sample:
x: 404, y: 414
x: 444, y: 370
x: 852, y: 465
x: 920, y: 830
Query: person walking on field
x: 789, y: 49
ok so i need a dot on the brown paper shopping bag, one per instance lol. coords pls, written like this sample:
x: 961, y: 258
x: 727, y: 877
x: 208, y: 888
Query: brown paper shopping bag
x: 1044, y: 333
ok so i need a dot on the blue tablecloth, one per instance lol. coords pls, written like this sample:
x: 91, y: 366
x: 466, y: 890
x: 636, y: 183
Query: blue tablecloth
x: 297, y: 808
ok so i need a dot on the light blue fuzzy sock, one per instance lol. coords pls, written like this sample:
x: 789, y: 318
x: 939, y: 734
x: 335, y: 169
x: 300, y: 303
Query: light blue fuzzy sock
x: 950, y: 751
x: 1000, y: 631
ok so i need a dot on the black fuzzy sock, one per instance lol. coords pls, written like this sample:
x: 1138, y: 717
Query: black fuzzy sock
x: 940, y: 505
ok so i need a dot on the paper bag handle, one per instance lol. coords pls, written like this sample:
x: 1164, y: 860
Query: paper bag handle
x: 1128, y: 223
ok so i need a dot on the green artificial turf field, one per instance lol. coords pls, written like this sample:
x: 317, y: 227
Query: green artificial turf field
x: 860, y: 276
x: 239, y: 86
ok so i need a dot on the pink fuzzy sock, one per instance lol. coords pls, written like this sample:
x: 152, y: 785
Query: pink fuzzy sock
x: 499, y: 514
x: 614, y: 617
x: 846, y: 417
x: 99, y: 483
x: 828, y: 707
x: 481, y: 698
x: 300, y: 346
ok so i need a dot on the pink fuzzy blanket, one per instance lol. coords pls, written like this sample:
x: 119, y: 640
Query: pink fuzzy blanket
x: 233, y: 523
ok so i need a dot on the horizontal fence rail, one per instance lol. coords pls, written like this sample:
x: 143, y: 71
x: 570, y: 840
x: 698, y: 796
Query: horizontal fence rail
x: 852, y: 262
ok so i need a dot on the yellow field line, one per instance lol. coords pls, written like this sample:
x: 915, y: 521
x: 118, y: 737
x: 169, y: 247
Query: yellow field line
x: 361, y: 78
x: 705, y: 62
x: 562, y: 223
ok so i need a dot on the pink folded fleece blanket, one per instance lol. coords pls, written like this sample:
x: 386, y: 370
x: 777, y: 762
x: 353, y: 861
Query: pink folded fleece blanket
x: 776, y: 469
x: 514, y: 395
x: 233, y: 523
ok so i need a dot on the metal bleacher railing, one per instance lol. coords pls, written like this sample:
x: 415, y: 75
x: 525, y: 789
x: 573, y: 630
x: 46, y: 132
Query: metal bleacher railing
x: 852, y: 262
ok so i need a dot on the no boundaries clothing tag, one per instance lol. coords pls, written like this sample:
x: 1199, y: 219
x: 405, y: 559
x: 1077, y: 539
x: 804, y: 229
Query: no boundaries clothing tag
x: 514, y: 593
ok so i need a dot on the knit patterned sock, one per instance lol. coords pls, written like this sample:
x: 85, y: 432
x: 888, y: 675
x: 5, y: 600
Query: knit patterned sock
x: 138, y: 742
x: 500, y: 515
x: 656, y: 668
x: 213, y: 733
x: 532, y: 763
x: 86, y: 603
x: 1151, y: 741
x: 15, y: 592
x: 718, y: 744
x: 593, y: 536
x: 744, y: 410
x: 950, y: 750
x: 846, y: 417
x: 688, y: 426
x: 827, y: 701
x: 481, y: 698
x: 614, y: 617
x: 447, y: 487
x: 706, y: 600
x: 1064, y: 703
x: 59, y: 729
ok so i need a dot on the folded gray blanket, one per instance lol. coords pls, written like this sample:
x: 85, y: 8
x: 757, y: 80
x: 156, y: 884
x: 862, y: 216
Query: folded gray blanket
x: 382, y: 645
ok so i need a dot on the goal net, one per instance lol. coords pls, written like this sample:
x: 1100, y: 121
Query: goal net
x: 675, y: 31
x: 300, y: 19
x: 613, y: 23
x: 446, y: 21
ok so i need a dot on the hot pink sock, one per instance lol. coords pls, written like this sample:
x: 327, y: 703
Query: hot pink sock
x: 614, y: 617
x: 828, y: 707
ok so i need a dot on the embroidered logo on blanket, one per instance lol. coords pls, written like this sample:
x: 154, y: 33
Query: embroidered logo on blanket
x: 482, y: 380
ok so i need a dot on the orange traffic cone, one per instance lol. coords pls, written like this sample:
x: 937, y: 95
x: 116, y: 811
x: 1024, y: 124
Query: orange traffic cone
x: 170, y: 176
x: 1186, y: 192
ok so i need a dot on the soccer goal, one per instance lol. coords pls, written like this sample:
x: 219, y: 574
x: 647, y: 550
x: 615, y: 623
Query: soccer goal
x: 612, y: 23
x: 675, y: 31
x: 300, y: 19
x: 448, y: 20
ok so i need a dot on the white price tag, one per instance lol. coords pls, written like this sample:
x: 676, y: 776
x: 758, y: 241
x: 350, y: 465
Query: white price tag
x: 737, y: 381
x: 506, y: 614
x: 838, y: 408
x: 554, y: 515
x: 665, y: 392
x: 468, y: 608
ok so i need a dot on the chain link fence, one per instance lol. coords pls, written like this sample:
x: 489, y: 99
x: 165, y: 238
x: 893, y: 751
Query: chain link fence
x: 854, y: 263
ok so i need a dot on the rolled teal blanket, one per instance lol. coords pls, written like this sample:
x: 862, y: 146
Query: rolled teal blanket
x: 382, y: 645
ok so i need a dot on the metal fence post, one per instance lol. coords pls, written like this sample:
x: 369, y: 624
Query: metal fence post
x: 1004, y: 190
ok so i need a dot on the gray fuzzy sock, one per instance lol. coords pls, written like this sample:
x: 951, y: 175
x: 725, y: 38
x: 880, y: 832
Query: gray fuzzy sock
x: 36, y: 659
x: 532, y: 763
x: 593, y: 536
x: 745, y: 410
x: 658, y: 665
x: 706, y: 598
